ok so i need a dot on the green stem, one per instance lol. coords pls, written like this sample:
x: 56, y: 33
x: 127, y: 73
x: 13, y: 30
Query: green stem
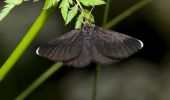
x: 19, y: 50
x: 127, y: 13
x: 39, y: 81
x: 97, y: 75
x: 112, y: 23
x: 106, y: 12
x: 95, y: 83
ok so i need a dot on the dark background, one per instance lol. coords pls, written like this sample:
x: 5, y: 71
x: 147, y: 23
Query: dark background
x: 143, y: 76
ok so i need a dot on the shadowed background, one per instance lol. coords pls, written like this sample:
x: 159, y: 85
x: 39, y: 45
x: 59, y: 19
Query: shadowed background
x: 143, y: 76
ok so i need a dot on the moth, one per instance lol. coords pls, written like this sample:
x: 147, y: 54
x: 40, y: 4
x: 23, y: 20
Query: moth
x: 80, y: 47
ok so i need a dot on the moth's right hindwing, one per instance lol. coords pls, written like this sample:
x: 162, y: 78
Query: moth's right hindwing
x: 63, y: 48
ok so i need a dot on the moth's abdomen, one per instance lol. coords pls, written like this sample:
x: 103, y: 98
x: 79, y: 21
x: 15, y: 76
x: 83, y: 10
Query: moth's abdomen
x: 83, y: 59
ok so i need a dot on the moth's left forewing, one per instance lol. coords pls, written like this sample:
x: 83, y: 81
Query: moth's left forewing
x: 115, y: 45
x: 63, y: 48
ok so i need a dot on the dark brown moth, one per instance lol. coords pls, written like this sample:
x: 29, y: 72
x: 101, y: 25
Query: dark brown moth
x: 80, y: 47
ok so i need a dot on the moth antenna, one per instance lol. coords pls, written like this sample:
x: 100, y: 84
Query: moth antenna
x: 91, y: 11
x: 80, y: 9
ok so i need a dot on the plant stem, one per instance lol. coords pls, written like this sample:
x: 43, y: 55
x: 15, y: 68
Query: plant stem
x: 127, y: 13
x: 97, y: 74
x: 95, y: 83
x: 106, y: 12
x: 39, y: 81
x: 97, y: 70
x: 112, y: 23
x: 19, y: 50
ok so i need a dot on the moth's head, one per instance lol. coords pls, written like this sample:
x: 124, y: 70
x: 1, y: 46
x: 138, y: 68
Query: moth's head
x: 87, y: 23
x: 87, y: 29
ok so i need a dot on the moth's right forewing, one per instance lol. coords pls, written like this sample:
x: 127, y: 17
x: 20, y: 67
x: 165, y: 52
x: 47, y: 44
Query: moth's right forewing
x: 63, y: 48
x: 115, y: 45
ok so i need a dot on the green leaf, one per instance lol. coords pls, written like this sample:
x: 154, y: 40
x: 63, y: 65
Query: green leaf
x: 92, y: 2
x: 85, y: 14
x: 65, y: 4
x: 8, y: 7
x: 79, y: 21
x: 49, y: 3
x: 70, y: 1
x: 14, y: 2
x: 72, y: 13
x: 6, y: 10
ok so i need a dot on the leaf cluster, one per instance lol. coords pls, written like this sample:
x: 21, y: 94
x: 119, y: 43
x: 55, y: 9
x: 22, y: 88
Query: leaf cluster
x: 69, y: 9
